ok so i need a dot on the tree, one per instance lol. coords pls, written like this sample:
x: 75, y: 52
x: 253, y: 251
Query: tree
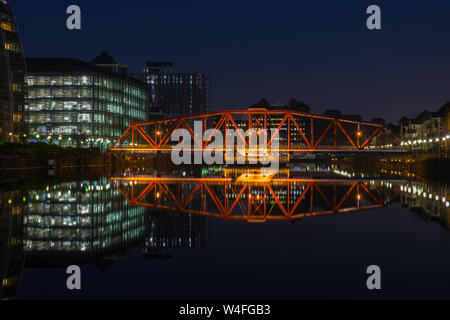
x: 333, y: 113
x: 404, y: 121
x: 378, y: 120
x: 263, y: 103
x: 299, y: 106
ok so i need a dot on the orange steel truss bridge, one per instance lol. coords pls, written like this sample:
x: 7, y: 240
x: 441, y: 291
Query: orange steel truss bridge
x: 280, y: 200
x: 297, y: 132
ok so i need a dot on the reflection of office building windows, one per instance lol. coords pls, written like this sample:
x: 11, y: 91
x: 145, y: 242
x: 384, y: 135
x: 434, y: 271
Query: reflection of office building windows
x: 12, y: 72
x: 12, y: 211
x: 80, y: 104
x: 80, y: 220
x: 168, y: 230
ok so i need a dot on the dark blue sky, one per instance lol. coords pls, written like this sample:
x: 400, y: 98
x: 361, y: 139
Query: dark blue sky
x: 315, y: 50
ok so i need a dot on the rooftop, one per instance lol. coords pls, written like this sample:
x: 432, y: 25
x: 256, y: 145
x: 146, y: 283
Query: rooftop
x: 70, y: 65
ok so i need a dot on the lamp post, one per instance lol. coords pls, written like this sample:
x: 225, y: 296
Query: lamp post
x: 358, y: 136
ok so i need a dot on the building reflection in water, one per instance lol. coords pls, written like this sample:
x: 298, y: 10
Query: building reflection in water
x: 90, y: 221
x: 428, y: 200
x: 12, y: 205
x: 169, y: 231
x: 76, y: 221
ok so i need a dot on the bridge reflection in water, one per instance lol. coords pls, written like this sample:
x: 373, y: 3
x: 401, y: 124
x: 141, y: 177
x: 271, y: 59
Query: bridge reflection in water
x: 256, y: 201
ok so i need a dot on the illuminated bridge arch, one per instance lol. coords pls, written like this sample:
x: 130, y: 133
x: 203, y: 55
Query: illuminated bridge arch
x: 297, y: 131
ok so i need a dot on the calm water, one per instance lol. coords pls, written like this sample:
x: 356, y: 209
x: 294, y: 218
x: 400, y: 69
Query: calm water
x: 309, y: 232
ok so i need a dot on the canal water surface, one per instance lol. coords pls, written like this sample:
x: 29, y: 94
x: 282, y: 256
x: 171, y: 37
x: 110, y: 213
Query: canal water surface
x: 309, y: 232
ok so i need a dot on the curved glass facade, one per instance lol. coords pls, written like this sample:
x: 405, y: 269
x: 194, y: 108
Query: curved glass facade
x: 12, y: 72
x: 77, y: 104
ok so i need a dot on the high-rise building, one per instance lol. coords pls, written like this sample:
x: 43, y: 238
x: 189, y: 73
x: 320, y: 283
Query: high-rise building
x: 176, y: 94
x: 79, y: 104
x: 12, y: 72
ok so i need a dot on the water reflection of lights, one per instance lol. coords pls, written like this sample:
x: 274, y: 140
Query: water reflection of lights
x: 86, y: 217
x: 418, y: 191
x: 241, y: 199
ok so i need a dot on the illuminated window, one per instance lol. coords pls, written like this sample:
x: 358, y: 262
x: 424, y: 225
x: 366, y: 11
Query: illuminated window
x: 8, y: 26
x: 12, y: 46
x: 17, y: 87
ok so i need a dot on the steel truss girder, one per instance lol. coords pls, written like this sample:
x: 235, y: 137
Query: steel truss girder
x: 156, y: 135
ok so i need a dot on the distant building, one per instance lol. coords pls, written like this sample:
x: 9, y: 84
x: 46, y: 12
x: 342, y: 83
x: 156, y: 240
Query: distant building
x: 78, y: 104
x: 176, y: 94
x: 12, y: 72
x: 304, y: 124
x: 428, y: 128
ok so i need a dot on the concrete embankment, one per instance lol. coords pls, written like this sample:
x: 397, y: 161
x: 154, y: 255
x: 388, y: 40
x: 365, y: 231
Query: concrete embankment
x: 20, y: 161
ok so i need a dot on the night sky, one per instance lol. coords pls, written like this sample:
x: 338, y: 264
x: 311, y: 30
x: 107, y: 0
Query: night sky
x: 317, y: 51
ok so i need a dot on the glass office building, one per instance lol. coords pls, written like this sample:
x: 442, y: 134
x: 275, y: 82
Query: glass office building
x: 72, y: 103
x: 12, y: 72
